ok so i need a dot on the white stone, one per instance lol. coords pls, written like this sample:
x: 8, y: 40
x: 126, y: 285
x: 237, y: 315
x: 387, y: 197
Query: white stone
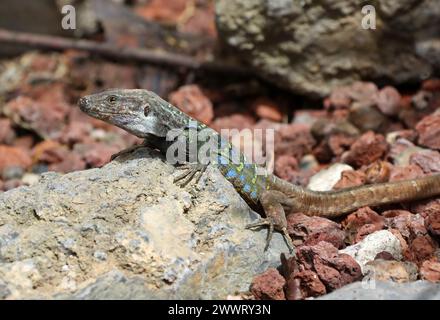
x: 367, y: 249
x: 325, y: 179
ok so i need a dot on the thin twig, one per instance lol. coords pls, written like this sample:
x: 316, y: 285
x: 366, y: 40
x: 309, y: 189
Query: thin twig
x: 127, y: 53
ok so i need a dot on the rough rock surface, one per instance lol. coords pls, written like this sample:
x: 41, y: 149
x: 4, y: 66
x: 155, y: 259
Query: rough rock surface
x: 380, y: 290
x: 125, y: 231
x: 313, y: 46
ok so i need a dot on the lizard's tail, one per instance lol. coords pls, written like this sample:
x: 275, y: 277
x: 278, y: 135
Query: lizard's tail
x: 336, y: 203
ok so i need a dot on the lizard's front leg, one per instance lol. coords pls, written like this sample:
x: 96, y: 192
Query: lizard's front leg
x: 273, y: 202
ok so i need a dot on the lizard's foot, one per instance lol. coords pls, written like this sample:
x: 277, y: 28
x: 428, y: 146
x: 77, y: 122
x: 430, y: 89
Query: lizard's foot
x: 192, y: 171
x: 272, y: 202
x: 271, y: 224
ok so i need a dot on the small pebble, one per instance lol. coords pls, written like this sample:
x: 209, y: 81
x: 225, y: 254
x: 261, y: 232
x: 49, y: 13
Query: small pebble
x: 30, y: 178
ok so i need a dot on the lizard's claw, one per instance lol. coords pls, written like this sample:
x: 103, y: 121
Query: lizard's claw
x: 268, y: 222
x: 192, y: 170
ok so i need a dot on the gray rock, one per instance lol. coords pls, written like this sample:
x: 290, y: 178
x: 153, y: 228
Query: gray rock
x: 311, y: 47
x: 378, y: 290
x: 127, y: 231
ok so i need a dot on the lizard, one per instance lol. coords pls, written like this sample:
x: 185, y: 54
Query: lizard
x: 147, y: 116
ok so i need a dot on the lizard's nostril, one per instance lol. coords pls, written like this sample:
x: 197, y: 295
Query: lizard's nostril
x: 83, y: 102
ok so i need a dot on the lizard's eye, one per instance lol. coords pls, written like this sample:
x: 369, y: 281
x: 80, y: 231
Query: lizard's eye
x: 147, y: 109
x: 112, y: 99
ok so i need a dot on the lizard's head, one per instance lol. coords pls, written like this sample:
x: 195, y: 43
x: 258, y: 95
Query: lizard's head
x: 138, y: 111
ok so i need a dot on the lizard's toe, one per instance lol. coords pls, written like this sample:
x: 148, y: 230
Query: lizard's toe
x: 190, y: 171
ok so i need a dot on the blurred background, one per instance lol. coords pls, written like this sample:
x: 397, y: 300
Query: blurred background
x: 311, y: 70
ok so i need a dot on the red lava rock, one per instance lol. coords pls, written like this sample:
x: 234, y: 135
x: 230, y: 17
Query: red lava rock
x: 420, y: 249
x: 384, y: 255
x: 361, y: 223
x: 300, y: 283
x: 69, y: 162
x: 333, y: 269
x: 24, y: 142
x: 350, y: 178
x: 235, y: 121
x: 12, y: 184
x: 367, y: 149
x: 432, y: 223
x: 7, y: 134
x: 429, y: 131
x: 202, y: 21
x: 425, y: 207
x: 428, y: 160
x: 388, y: 101
x: 96, y: 154
x: 163, y: 11
x: 294, y: 140
x: 13, y: 157
x: 409, y: 172
x: 268, y: 285
x: 378, y: 172
x: 312, y: 230
x: 76, y: 132
x: 309, y: 284
x: 45, y: 119
x: 409, y: 225
x: 339, y: 143
x: 267, y: 109
x: 286, y: 167
x: 191, y: 100
x: 431, y: 85
x: 339, y: 98
x: 43, y: 152
x: 430, y: 270
x: 396, y: 213
x: 364, y: 92
x: 59, y: 157
x: 289, y: 267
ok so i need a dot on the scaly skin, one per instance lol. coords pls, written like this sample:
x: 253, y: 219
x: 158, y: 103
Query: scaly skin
x: 146, y: 115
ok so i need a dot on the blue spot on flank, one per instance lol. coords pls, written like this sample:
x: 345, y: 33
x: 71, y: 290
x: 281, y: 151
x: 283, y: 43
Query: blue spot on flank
x: 246, y: 188
x: 231, y: 173
x: 254, y: 194
x: 222, y: 160
x: 242, y: 178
